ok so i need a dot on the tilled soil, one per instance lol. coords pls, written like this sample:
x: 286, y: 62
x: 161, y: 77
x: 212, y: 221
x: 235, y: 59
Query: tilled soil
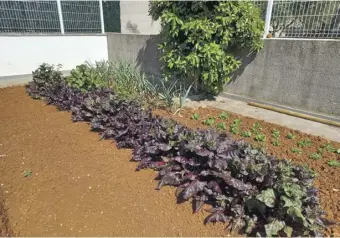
x: 77, y: 185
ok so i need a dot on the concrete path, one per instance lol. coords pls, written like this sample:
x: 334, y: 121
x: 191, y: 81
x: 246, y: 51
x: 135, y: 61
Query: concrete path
x: 242, y: 108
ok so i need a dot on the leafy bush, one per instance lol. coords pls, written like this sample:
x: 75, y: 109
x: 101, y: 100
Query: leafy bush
x: 200, y: 38
x: 87, y: 77
x: 255, y: 193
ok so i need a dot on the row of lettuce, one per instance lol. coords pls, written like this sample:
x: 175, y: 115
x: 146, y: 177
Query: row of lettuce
x: 256, y: 194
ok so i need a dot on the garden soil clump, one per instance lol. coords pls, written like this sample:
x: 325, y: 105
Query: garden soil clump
x: 327, y: 180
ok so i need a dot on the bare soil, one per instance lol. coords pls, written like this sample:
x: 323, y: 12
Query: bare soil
x: 77, y: 185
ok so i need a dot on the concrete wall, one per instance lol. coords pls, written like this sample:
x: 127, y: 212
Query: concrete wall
x: 299, y: 73
x: 134, y: 18
x: 20, y: 55
x: 141, y: 49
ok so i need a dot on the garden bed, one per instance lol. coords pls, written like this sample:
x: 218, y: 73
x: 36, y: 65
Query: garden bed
x: 76, y: 185
x: 327, y: 181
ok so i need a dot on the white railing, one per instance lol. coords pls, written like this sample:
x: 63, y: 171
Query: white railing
x: 301, y: 18
x: 52, y: 17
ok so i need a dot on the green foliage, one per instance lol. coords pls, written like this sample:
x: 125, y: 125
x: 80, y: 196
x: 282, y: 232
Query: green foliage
x: 210, y: 121
x: 296, y: 150
x: 260, y: 137
x: 257, y: 128
x: 195, y: 116
x: 338, y: 151
x: 234, y: 127
x: 246, y: 134
x: 334, y: 163
x: 47, y: 75
x: 304, y: 143
x: 86, y: 77
x: 223, y: 116
x: 221, y: 126
x: 291, y: 136
x: 315, y: 156
x: 200, y: 38
x: 329, y: 147
x: 275, y: 134
x: 276, y: 143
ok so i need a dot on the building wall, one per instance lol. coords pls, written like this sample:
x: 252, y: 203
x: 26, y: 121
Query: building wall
x: 134, y: 18
x: 304, y: 74
x: 20, y: 55
x: 299, y: 73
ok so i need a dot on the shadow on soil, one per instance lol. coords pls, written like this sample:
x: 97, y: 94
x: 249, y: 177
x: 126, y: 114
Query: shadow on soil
x: 5, y: 230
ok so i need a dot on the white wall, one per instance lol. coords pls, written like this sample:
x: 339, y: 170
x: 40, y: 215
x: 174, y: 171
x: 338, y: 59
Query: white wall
x: 134, y: 18
x: 23, y: 54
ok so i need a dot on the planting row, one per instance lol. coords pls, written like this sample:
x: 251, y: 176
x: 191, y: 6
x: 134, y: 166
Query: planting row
x: 256, y: 133
x: 254, y: 193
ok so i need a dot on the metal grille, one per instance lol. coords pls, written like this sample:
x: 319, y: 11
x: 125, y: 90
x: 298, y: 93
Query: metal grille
x: 29, y: 17
x: 81, y: 16
x: 54, y: 16
x: 307, y: 19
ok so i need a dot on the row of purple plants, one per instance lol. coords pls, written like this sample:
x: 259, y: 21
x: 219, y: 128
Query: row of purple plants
x: 255, y: 194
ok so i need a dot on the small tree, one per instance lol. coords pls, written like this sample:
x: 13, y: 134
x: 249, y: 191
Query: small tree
x: 200, y: 38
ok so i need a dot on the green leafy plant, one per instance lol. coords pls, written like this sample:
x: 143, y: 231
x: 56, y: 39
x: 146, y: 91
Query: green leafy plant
x: 221, y: 126
x: 304, y: 143
x: 257, y: 128
x: 338, y: 151
x: 315, y: 156
x: 275, y: 134
x: 223, y: 116
x: 246, y: 134
x: 234, y: 127
x: 195, y: 116
x: 209, y: 122
x: 310, y: 170
x: 276, y: 143
x: 296, y: 150
x: 260, y: 137
x: 334, y: 163
x: 27, y: 173
x: 200, y: 39
x: 329, y: 147
x: 291, y: 136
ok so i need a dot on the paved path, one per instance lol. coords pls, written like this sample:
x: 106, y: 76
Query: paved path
x: 310, y: 127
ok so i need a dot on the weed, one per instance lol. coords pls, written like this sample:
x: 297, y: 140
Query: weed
x: 195, y: 116
x: 304, y: 143
x: 338, y: 151
x: 209, y: 122
x: 320, y: 151
x: 334, y: 163
x: 27, y: 173
x: 221, y: 125
x: 260, y: 137
x: 256, y: 129
x: 296, y: 150
x: 291, y: 136
x: 315, y: 156
x: 223, y: 116
x: 246, y: 134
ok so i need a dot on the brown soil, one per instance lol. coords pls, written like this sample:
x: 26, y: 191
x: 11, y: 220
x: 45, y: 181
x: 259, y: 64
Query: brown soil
x: 328, y: 179
x: 81, y: 186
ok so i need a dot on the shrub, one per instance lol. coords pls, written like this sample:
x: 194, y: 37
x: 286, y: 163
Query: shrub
x: 86, y: 77
x: 255, y: 193
x: 200, y: 38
